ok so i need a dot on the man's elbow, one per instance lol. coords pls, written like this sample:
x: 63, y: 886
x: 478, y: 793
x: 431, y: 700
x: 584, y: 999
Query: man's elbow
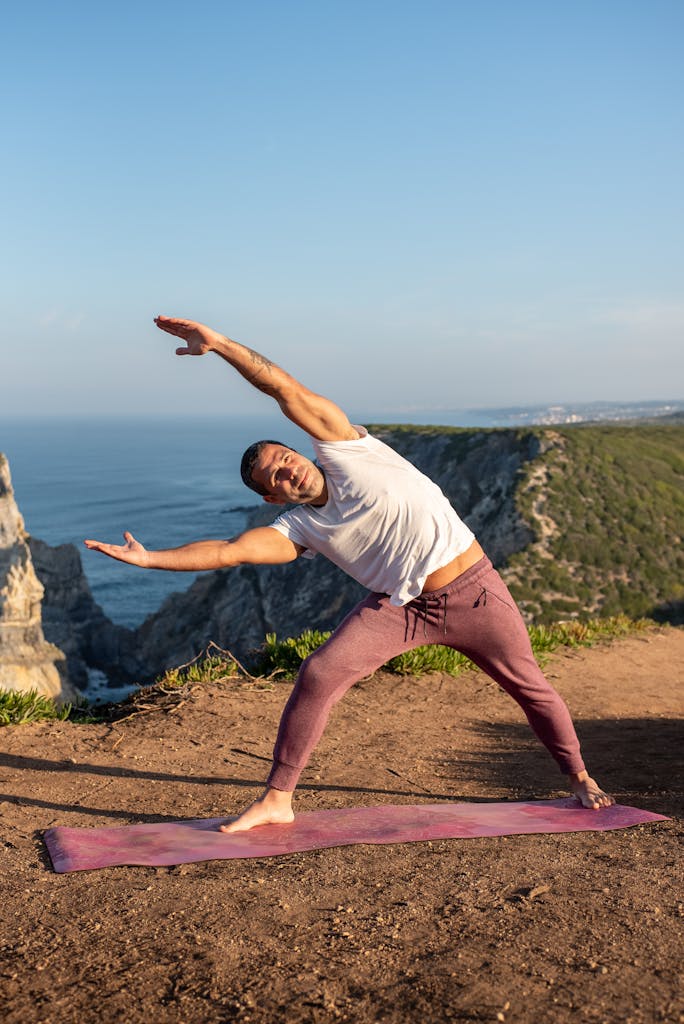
x: 229, y: 555
x: 290, y: 394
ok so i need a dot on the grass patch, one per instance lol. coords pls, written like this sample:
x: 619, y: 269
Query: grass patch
x: 281, y: 659
x: 213, y: 669
x: 284, y: 657
x: 573, y: 633
x: 19, y: 707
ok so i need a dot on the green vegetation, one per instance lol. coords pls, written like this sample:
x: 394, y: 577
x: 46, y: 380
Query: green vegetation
x: 614, y: 497
x: 606, y: 504
x: 17, y: 708
x: 216, y: 668
x: 283, y: 658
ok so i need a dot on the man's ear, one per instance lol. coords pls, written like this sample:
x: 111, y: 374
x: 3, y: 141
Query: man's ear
x: 271, y: 499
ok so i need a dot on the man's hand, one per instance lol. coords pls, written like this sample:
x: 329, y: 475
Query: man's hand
x: 132, y: 551
x: 198, y: 338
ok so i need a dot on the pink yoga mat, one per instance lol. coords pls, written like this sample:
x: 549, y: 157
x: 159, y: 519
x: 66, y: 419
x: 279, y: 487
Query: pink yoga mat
x: 182, y: 842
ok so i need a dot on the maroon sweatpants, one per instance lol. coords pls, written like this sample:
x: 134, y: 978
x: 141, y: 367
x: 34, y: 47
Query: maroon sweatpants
x: 475, y: 614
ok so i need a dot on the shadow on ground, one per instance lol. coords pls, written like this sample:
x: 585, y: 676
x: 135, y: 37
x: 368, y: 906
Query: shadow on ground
x: 633, y: 758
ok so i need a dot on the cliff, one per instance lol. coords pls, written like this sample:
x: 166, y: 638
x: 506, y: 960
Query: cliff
x: 478, y: 470
x: 236, y: 608
x: 74, y: 622
x: 27, y: 660
x: 581, y: 520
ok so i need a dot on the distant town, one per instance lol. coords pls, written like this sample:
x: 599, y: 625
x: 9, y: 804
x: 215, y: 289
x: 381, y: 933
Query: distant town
x: 584, y: 412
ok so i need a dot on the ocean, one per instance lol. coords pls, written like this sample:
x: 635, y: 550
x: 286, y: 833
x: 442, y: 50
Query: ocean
x: 167, y: 481
x: 172, y: 481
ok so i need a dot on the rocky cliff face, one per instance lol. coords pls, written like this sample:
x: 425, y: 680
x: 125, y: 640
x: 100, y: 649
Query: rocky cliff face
x: 478, y: 471
x: 573, y: 487
x: 74, y: 621
x: 27, y: 660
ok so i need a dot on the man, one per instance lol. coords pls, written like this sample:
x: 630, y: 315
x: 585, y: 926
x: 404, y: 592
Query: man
x: 391, y: 528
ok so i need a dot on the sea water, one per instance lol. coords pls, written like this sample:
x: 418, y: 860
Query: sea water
x: 167, y: 481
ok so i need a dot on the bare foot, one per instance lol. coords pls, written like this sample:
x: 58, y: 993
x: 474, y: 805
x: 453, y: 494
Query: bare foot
x: 588, y: 792
x: 274, y: 807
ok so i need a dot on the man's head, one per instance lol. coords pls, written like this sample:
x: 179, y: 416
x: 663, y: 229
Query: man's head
x: 249, y: 459
x: 281, y: 475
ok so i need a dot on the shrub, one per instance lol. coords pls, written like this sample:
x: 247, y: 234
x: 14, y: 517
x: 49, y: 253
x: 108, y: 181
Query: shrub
x: 18, y: 707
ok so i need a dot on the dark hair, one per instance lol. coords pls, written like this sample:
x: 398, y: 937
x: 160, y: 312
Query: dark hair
x: 247, y: 464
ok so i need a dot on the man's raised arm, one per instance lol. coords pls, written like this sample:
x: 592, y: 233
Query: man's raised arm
x: 261, y: 546
x: 317, y: 415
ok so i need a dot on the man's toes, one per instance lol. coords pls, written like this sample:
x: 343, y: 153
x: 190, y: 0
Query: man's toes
x: 598, y: 800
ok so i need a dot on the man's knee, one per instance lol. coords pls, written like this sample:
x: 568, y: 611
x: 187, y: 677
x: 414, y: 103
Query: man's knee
x: 329, y: 673
x: 318, y: 669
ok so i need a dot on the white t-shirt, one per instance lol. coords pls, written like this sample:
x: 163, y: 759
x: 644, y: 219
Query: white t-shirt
x: 385, y: 523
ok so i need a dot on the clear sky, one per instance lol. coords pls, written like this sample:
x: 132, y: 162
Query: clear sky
x: 406, y: 204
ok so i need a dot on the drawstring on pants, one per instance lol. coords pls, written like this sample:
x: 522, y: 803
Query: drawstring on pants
x: 432, y: 608
x: 427, y: 606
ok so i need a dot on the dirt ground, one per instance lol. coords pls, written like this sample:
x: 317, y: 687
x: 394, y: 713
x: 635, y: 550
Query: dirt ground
x: 573, y: 927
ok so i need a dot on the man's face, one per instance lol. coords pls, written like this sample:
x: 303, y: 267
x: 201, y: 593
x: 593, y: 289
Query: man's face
x: 288, y: 477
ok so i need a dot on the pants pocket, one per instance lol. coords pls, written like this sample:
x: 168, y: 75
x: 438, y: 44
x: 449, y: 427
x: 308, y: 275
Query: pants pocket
x: 493, y: 587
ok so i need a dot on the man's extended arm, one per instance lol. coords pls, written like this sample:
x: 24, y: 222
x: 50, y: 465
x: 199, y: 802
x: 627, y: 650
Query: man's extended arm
x: 317, y: 415
x: 261, y: 546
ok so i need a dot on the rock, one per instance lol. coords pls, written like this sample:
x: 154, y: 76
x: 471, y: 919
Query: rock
x: 27, y: 660
x: 478, y: 471
x: 236, y: 608
x: 74, y: 621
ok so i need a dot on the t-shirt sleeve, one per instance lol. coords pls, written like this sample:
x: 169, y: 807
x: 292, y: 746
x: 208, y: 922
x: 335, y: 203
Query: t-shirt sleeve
x: 288, y: 524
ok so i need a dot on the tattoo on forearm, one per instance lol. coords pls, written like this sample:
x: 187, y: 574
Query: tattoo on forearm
x: 259, y: 360
x: 261, y: 363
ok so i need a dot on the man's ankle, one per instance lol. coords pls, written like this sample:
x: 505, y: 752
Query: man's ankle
x: 277, y: 797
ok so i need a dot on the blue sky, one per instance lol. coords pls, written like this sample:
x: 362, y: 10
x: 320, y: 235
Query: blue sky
x: 408, y: 205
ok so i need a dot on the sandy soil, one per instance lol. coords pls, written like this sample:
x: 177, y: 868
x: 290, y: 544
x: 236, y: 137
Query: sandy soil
x: 556, y: 928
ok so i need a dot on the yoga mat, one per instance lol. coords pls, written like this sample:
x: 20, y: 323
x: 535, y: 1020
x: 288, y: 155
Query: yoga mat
x: 183, y: 842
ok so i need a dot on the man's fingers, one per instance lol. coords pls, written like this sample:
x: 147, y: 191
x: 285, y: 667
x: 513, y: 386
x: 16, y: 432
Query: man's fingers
x: 175, y: 326
x: 175, y: 329
x: 166, y: 321
x: 106, y: 549
x: 183, y: 352
x: 122, y: 552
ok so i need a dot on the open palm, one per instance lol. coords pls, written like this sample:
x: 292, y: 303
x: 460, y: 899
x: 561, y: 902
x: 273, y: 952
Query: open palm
x: 132, y: 551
